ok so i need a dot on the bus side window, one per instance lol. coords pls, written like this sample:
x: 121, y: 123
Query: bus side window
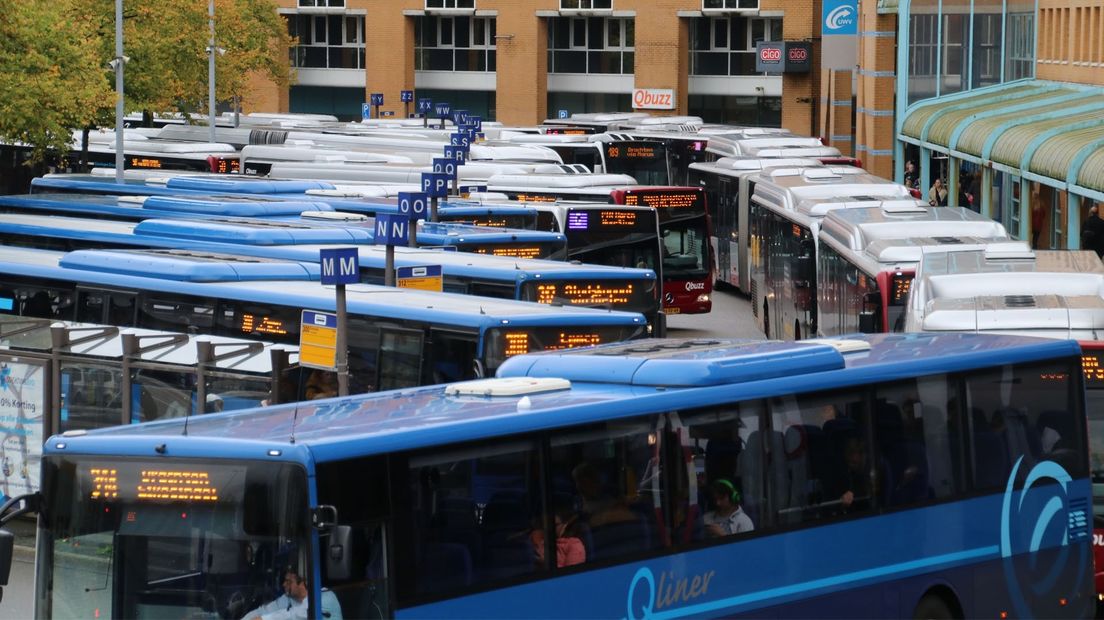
x: 400, y: 358
x: 452, y: 357
x: 826, y: 464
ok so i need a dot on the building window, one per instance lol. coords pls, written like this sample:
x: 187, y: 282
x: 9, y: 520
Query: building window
x: 322, y: 3
x: 726, y: 45
x: 586, y: 5
x: 327, y: 41
x: 1020, y: 46
x: 730, y: 5
x: 449, y: 4
x: 458, y: 43
x: 591, y: 45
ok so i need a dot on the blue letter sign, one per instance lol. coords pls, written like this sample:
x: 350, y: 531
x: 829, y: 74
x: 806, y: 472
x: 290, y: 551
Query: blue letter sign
x: 425, y: 104
x: 435, y: 185
x: 392, y: 229
x: 457, y: 153
x: 442, y: 109
x: 340, y: 266
x: 376, y: 98
x: 445, y: 166
x: 406, y: 96
x: 413, y: 205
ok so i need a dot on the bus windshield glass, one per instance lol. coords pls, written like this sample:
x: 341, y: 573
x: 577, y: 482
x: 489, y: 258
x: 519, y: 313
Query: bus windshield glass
x: 683, y: 226
x: 643, y: 160
x: 612, y: 236
x: 168, y: 538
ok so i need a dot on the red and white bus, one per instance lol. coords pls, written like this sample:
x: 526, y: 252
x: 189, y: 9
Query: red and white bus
x: 866, y: 260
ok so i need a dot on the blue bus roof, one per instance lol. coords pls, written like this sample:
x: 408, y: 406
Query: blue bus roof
x: 290, y: 241
x: 725, y: 371
x: 445, y: 308
x: 216, y: 207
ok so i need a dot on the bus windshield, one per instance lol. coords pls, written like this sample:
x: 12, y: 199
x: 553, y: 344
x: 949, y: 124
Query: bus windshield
x: 612, y: 236
x: 143, y: 539
x: 643, y: 160
x: 685, y: 247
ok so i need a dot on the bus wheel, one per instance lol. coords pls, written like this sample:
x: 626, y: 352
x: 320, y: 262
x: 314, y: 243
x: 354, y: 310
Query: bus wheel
x: 933, y: 607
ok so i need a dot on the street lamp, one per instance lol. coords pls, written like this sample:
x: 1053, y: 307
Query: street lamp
x: 117, y: 64
x: 211, y: 51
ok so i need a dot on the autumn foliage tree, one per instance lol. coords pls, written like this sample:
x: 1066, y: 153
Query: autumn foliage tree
x: 54, y: 55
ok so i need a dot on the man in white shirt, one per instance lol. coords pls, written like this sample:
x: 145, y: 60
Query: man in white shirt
x: 727, y: 517
x: 291, y: 605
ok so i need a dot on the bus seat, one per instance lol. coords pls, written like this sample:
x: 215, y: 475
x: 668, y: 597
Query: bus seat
x: 455, y: 522
x: 619, y: 539
x: 505, y: 511
x: 508, y: 556
x: 444, y: 566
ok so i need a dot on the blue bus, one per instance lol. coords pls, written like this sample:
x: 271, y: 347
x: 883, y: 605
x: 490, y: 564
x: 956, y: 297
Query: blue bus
x: 396, y: 337
x: 889, y: 475
x: 463, y: 237
x: 358, y: 199
x: 542, y: 281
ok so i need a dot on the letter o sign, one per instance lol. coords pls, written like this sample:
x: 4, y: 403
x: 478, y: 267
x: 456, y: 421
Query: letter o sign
x: 413, y: 205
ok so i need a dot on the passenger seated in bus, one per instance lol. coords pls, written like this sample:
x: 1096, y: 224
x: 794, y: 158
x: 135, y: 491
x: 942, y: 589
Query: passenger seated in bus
x: 321, y: 384
x: 727, y: 517
x: 569, y: 546
x: 857, y: 487
x: 598, y: 507
x: 292, y: 604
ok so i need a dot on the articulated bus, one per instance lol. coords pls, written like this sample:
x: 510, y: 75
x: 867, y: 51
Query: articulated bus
x: 783, y: 219
x: 360, y: 228
x: 451, y: 501
x: 866, y: 260
x: 1010, y: 290
x: 542, y: 281
x: 396, y: 337
x: 728, y: 184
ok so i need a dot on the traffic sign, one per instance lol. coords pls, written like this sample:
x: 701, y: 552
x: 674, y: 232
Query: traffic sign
x: 427, y: 278
x: 445, y: 166
x: 406, y: 96
x: 425, y: 105
x: 461, y: 138
x: 318, y: 340
x: 376, y: 98
x: 365, y: 110
x: 435, y: 185
x: 457, y: 153
x: 387, y: 113
x: 563, y: 114
x: 392, y: 229
x: 414, y: 205
x: 476, y: 122
x: 340, y: 266
x: 442, y: 109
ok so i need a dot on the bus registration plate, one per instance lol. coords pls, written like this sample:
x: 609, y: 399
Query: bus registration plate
x: 671, y: 310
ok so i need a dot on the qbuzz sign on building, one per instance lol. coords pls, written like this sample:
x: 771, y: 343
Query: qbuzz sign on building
x: 839, y: 28
x: 653, y: 99
x: 784, y: 56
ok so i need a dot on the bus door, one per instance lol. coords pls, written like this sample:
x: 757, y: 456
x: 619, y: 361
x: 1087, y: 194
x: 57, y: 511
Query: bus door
x: 798, y: 307
x: 452, y: 356
x: 1092, y: 364
x: 106, y: 307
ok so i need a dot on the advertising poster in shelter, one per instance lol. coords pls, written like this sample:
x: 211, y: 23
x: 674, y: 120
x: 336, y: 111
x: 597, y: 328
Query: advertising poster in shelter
x: 22, y: 405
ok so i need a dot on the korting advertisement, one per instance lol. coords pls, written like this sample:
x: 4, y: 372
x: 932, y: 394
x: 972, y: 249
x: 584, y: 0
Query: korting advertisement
x: 22, y: 404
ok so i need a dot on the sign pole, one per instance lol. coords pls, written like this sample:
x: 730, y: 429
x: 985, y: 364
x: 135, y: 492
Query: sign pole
x: 389, y: 266
x: 433, y: 209
x: 342, y: 344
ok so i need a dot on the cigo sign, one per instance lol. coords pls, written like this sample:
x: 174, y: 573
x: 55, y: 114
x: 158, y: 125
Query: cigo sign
x: 653, y: 99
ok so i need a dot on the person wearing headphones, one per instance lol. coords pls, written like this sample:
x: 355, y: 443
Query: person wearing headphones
x: 727, y: 517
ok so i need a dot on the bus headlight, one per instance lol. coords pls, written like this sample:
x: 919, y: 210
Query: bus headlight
x: 703, y: 298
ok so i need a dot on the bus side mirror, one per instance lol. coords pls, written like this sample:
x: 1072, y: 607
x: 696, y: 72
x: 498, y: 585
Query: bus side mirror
x: 339, y: 554
x: 7, y: 546
x: 324, y: 517
x: 868, y: 316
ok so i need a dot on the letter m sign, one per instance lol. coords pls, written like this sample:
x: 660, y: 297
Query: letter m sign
x: 340, y: 266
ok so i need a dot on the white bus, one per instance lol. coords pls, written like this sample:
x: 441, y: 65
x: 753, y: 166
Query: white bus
x: 784, y: 217
x: 866, y: 260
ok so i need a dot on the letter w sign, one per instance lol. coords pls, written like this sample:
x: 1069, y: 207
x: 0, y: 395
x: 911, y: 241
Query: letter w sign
x: 340, y: 266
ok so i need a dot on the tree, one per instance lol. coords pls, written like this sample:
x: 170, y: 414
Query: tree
x: 54, y: 54
x: 52, y: 78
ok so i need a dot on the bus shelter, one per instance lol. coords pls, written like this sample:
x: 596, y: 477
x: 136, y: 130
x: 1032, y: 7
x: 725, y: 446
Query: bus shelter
x: 1028, y: 153
x: 62, y: 376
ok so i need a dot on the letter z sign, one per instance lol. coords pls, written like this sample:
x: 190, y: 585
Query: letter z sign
x: 340, y: 266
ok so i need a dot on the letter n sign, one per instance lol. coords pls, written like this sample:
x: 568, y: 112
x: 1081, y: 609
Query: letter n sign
x: 340, y: 266
x: 392, y: 229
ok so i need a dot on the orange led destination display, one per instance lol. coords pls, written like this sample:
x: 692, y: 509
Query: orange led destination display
x: 664, y: 199
x: 155, y: 485
x: 633, y: 151
x: 252, y: 324
x: 616, y: 218
x: 145, y: 162
x: 570, y: 341
x: 519, y: 343
x: 512, y: 251
x: 901, y: 286
x: 592, y: 294
x: 1094, y: 370
x: 535, y: 198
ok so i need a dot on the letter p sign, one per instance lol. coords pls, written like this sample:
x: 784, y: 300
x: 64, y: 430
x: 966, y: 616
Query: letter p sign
x: 435, y: 185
